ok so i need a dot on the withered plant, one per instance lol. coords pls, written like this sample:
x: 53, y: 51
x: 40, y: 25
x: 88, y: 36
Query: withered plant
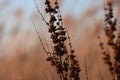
x: 63, y: 59
x: 113, y: 42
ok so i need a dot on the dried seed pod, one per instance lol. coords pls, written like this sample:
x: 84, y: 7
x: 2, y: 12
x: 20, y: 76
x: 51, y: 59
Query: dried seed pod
x: 60, y: 58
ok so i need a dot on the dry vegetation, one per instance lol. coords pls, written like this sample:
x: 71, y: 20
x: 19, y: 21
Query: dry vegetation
x: 68, y: 52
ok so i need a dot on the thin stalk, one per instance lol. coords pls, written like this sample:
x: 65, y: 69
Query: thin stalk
x: 39, y: 36
x: 86, y: 71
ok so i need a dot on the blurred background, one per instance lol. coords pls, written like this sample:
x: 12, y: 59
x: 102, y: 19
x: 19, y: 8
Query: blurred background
x: 21, y: 54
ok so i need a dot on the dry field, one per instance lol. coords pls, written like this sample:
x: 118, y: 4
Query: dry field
x: 59, y: 40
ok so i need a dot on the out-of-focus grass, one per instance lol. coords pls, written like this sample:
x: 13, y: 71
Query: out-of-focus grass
x: 21, y: 54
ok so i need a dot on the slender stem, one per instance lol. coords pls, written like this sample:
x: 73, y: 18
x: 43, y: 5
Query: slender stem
x: 86, y: 71
x: 62, y: 74
x: 40, y: 13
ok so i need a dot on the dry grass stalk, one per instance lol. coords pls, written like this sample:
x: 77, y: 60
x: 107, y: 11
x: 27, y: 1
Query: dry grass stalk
x: 86, y: 70
x: 66, y: 64
x: 113, y: 42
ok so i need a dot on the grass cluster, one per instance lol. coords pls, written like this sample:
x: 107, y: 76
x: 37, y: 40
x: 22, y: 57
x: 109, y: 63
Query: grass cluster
x: 64, y: 61
x: 60, y: 61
